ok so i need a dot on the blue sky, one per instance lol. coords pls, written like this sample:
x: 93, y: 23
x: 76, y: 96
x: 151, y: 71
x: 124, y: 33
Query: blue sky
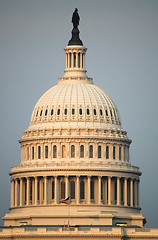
x: 122, y: 57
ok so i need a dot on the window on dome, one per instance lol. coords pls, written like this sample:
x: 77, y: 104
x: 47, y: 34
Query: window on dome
x: 39, y: 152
x: 88, y: 112
x: 90, y: 151
x: 92, y: 189
x: 114, y: 113
x: 72, y: 151
x: 65, y: 111
x: 111, y: 113
x: 80, y: 111
x: 33, y: 152
x: 72, y: 189
x: 58, y: 111
x: 53, y: 190
x: 95, y: 112
x: 107, y: 152
x: 37, y: 113
x: 70, y: 60
x: 99, y: 151
x: 113, y: 152
x: 81, y: 151
x: 41, y: 113
x: 82, y: 189
x: 101, y: 112
x: 78, y: 60
x: 120, y: 153
x: 63, y: 151
x: 46, y: 151
x: 74, y: 59
x: 27, y: 153
x: 73, y: 111
x: 52, y: 112
x: 54, y: 151
x: 46, y: 112
x: 62, y: 193
x: 106, y: 112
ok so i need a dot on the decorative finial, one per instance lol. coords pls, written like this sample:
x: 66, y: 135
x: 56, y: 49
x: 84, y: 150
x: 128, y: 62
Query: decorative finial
x: 75, y: 40
x: 75, y: 18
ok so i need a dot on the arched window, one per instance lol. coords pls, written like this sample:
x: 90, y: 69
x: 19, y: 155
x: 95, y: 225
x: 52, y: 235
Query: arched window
x: 113, y: 152
x: 92, y: 189
x: 27, y: 153
x: 62, y: 193
x: 53, y: 190
x: 74, y: 59
x: 37, y: 113
x: 63, y: 151
x: 72, y: 189
x: 120, y: 153
x: 80, y: 111
x: 54, y: 151
x: 58, y: 111
x: 106, y: 112
x: 41, y: 113
x: 72, y: 151
x: 99, y: 151
x: 46, y: 151
x: 65, y: 111
x: 39, y: 152
x: 73, y: 111
x: 90, y: 151
x: 101, y: 112
x: 52, y: 112
x: 81, y: 151
x: 95, y: 112
x: 111, y: 113
x: 107, y: 152
x: 88, y: 111
x: 82, y: 189
x: 46, y: 112
x: 33, y: 152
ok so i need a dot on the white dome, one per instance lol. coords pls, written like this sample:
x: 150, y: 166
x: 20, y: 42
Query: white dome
x: 76, y: 103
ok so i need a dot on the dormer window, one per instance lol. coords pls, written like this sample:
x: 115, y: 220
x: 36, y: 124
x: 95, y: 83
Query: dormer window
x: 58, y: 111
x: 80, y: 111
x: 65, y: 111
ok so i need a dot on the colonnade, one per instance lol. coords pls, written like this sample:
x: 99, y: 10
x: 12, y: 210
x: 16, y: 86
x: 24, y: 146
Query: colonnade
x: 105, y: 190
x: 111, y: 151
x: 75, y: 58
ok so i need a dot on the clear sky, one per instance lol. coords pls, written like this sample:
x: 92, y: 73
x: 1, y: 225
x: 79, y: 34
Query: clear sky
x: 122, y: 57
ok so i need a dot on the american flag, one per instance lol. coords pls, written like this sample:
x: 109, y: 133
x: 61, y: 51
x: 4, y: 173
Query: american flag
x: 66, y: 200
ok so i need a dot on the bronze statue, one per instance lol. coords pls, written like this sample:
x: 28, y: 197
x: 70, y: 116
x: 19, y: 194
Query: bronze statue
x: 75, y: 18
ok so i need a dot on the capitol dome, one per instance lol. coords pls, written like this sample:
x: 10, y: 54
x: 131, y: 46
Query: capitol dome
x: 75, y: 103
x: 75, y: 150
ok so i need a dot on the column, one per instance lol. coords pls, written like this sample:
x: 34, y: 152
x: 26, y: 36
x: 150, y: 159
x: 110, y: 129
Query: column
x: 88, y: 189
x: 20, y: 191
x: 35, y: 190
x: 105, y: 190
x: 56, y: 185
x: 28, y: 192
x: 16, y: 192
x: 125, y: 191
x: 12, y: 193
x: 118, y: 190
x: 131, y: 193
x: 109, y: 190
x: 45, y: 189
x: 99, y: 189
x: 138, y: 193
x: 66, y: 187
x: 78, y: 190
